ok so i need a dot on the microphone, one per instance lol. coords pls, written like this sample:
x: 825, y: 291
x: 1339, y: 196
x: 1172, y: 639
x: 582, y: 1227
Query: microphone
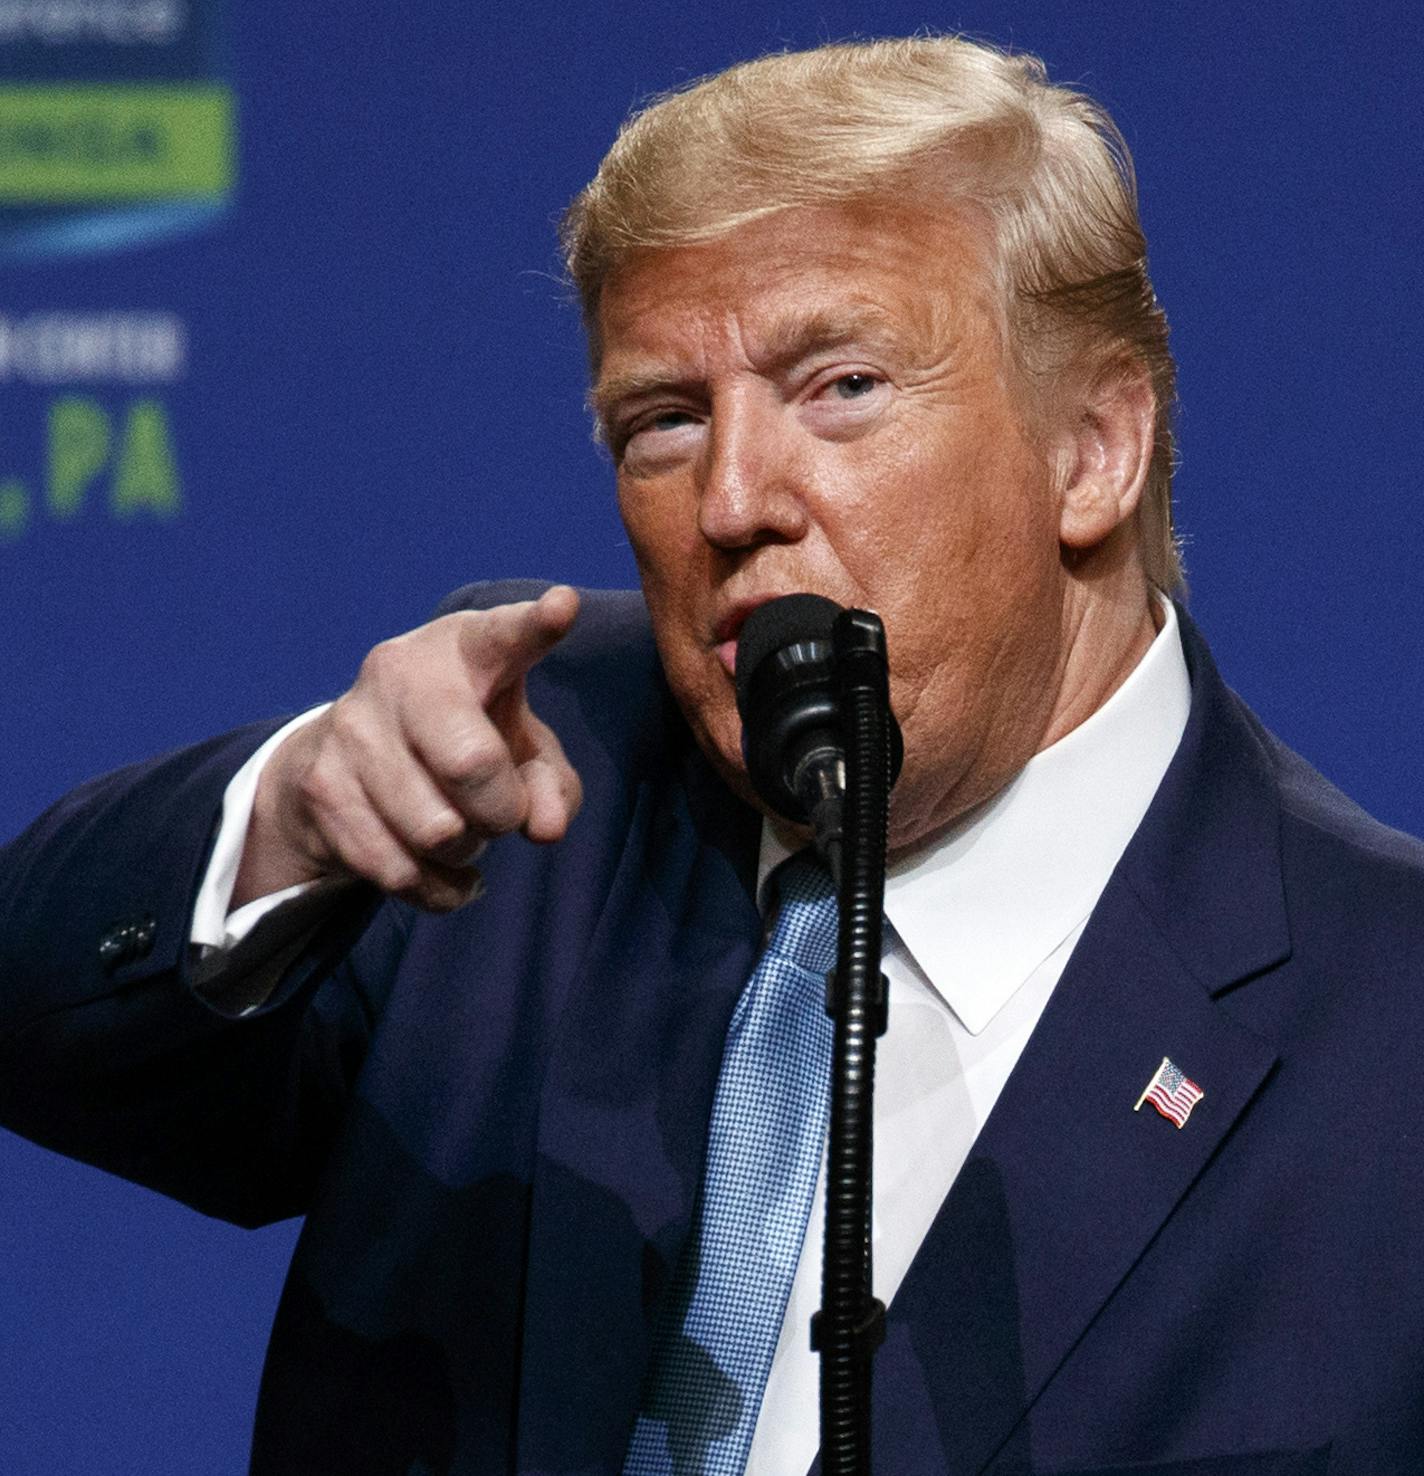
x: 786, y: 695
x: 792, y: 666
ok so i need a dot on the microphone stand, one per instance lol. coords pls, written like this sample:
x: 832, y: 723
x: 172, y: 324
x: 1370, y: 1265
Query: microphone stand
x: 851, y: 1323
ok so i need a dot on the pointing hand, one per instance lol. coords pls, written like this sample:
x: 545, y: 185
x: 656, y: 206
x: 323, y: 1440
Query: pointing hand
x: 431, y: 753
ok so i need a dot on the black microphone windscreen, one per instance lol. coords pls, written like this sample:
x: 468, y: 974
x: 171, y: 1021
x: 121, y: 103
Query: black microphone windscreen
x: 778, y: 623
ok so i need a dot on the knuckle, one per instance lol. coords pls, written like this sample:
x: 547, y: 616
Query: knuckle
x: 437, y: 832
x: 317, y: 788
x: 475, y: 757
x: 461, y: 622
x: 397, y: 874
x: 380, y: 661
x: 345, y: 725
x: 503, y: 812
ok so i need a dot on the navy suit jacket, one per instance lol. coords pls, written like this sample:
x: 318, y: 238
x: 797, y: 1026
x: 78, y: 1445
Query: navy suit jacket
x: 495, y: 1122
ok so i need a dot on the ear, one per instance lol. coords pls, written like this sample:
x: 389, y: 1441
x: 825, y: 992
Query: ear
x: 1104, y: 456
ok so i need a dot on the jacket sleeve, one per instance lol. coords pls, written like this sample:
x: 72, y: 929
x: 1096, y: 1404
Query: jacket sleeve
x: 107, y: 1052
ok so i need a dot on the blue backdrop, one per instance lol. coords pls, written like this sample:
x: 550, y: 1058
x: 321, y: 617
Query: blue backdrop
x: 322, y: 371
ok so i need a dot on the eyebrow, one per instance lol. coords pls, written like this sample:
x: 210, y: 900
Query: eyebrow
x: 785, y: 343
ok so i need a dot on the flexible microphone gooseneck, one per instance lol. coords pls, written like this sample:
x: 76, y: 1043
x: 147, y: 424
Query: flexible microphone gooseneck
x: 823, y: 748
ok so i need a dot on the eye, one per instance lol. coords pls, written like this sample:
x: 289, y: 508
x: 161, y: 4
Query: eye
x: 654, y: 438
x: 854, y: 386
x: 655, y: 421
x: 844, y: 402
x: 665, y: 420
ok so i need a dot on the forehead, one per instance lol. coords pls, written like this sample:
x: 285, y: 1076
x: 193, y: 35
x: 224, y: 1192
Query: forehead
x: 792, y: 280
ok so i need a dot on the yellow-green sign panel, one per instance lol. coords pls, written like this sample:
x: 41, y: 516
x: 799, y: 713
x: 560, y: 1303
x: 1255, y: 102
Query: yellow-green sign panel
x: 69, y: 143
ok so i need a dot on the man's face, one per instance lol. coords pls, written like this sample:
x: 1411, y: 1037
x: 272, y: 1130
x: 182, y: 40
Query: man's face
x: 822, y: 400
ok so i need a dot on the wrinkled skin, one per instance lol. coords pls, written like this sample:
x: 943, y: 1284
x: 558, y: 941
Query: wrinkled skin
x: 822, y: 400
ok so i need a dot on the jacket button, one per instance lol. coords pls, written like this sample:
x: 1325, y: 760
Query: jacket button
x: 127, y: 942
x: 145, y: 930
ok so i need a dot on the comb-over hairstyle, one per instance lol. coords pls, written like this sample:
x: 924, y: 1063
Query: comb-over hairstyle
x: 938, y: 119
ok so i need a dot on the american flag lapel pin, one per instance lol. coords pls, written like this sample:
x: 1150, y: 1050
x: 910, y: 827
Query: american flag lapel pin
x: 1171, y: 1093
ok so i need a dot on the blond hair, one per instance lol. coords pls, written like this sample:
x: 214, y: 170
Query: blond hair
x: 955, y: 120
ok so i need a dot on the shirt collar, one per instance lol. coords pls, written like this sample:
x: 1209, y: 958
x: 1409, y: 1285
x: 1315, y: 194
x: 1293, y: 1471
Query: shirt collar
x: 985, y: 904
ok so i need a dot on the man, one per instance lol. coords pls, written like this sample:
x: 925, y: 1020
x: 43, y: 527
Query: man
x: 871, y: 321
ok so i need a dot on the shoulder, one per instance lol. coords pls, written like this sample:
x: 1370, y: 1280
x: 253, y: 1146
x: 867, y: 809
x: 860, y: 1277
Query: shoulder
x: 1342, y: 873
x: 1352, y: 878
x: 1322, y: 827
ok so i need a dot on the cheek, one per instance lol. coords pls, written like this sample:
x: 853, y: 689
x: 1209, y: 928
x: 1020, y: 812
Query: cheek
x: 661, y: 524
x: 639, y: 523
x: 672, y: 560
x: 969, y: 568
x: 665, y: 559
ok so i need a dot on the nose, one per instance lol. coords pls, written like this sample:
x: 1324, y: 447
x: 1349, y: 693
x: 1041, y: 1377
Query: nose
x: 751, y: 487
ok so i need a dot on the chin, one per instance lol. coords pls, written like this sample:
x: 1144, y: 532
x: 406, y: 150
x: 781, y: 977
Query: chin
x: 710, y: 710
x: 721, y: 741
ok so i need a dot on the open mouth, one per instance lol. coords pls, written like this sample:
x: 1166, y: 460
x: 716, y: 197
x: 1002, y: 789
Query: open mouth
x: 729, y: 628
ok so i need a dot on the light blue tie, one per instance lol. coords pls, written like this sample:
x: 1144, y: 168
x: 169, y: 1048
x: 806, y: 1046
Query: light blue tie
x: 713, y: 1348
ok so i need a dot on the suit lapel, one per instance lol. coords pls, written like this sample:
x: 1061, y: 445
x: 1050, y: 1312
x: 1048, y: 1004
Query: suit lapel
x: 1064, y: 1191
x: 622, y: 1133
x: 1067, y: 1186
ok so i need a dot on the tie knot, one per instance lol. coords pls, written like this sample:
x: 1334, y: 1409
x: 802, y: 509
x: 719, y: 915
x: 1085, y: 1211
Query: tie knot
x: 806, y: 914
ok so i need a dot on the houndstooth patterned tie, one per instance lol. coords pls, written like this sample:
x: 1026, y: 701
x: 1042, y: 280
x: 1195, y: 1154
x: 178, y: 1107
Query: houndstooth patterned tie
x: 713, y: 1348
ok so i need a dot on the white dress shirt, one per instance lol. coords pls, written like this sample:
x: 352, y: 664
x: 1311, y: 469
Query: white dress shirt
x: 980, y: 927
x: 214, y: 927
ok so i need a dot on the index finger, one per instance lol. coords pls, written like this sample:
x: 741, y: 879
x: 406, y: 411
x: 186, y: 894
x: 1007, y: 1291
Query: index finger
x: 503, y: 643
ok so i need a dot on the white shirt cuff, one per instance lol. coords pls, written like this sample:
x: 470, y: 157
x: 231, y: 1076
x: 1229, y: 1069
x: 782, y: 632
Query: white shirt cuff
x: 213, y: 927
